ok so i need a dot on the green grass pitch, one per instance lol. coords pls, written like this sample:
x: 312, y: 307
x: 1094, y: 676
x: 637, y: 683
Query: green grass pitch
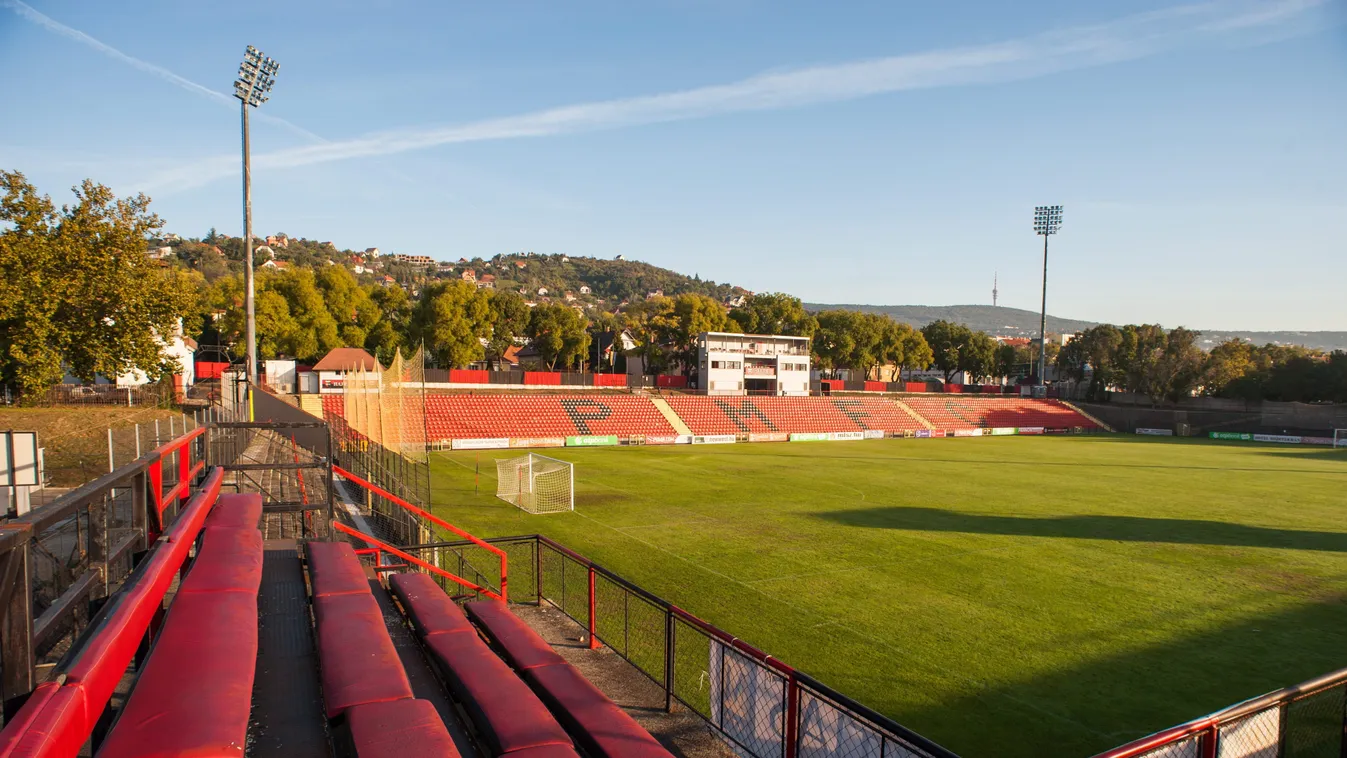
x: 1004, y: 596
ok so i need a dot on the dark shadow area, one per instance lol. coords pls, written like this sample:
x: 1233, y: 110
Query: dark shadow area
x: 1083, y: 710
x: 1122, y: 528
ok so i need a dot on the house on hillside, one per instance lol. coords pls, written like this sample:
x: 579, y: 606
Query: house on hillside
x: 333, y: 367
x: 359, y: 269
x: 736, y: 301
x: 520, y: 264
x: 654, y: 293
x: 469, y: 276
x: 276, y: 265
x: 570, y: 296
x: 584, y: 289
x: 542, y: 290
x: 178, y: 347
x: 373, y: 252
x: 159, y: 253
x: 278, y: 240
x: 389, y: 281
x: 488, y: 281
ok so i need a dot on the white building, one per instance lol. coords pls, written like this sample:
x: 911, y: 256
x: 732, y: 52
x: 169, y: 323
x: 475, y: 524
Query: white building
x: 334, y: 367
x: 759, y: 364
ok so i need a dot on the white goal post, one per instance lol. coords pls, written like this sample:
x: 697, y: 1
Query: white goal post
x: 536, y: 483
x: 1339, y: 438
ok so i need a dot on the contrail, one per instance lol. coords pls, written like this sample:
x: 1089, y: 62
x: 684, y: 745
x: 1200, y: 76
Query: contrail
x: 1128, y: 38
x: 31, y: 14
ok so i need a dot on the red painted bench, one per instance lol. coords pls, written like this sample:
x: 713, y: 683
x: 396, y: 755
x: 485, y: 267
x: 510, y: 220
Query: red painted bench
x: 358, y: 662
x: 240, y: 510
x: 399, y: 729
x: 599, y: 726
x: 508, y: 717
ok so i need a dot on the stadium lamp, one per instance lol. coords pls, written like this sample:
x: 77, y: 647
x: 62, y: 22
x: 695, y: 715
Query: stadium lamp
x: 257, y: 74
x: 1047, y: 220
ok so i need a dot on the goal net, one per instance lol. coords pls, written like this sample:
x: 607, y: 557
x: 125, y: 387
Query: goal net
x: 536, y: 483
x: 1339, y: 438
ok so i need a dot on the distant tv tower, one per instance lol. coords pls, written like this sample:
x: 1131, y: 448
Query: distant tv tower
x: 995, y: 292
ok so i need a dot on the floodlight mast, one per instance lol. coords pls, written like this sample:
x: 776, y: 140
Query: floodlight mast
x: 1047, y: 220
x: 257, y: 74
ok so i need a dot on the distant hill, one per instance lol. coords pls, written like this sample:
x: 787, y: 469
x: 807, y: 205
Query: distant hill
x: 1017, y: 322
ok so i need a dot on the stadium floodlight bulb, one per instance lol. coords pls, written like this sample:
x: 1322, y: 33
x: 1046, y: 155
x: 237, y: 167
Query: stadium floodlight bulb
x: 257, y: 75
x: 1047, y: 219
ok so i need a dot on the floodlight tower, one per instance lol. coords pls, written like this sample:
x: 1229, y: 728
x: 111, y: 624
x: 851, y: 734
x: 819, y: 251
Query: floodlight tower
x: 1047, y: 220
x: 257, y: 74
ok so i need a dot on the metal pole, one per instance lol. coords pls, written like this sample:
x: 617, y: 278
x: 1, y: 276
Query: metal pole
x: 248, y: 283
x: 112, y: 466
x: 1043, y: 321
x: 137, y: 440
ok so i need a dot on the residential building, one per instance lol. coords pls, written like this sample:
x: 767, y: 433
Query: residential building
x: 757, y: 364
x: 584, y: 289
x: 333, y: 367
x: 415, y: 260
x: 373, y: 252
x: 469, y: 276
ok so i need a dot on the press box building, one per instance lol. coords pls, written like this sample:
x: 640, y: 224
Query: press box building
x: 753, y: 364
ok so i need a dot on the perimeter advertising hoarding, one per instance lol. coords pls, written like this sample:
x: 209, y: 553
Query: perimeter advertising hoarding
x: 537, y: 441
x: 967, y: 432
x: 1029, y: 430
x: 939, y: 433
x: 923, y: 433
x: 1317, y: 441
x: 768, y: 437
x: 668, y: 439
x: 1288, y: 439
x: 846, y: 436
x: 713, y: 439
x: 486, y: 443
x: 591, y: 440
x: 1230, y: 436
x: 1155, y: 432
x: 1002, y: 431
x: 809, y: 437
x: 874, y: 434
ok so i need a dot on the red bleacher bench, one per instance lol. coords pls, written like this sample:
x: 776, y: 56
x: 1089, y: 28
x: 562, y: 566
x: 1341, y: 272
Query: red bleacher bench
x: 508, y: 716
x: 546, y: 751
x: 597, y: 724
x: 399, y: 729
x: 193, y: 695
x: 357, y: 661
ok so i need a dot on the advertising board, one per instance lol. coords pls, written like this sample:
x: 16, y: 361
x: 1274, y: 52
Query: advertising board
x: 768, y: 437
x: 537, y: 441
x: 713, y: 439
x: 484, y: 443
x: 1286, y: 439
x: 1230, y: 436
x: 809, y: 437
x: 1029, y: 430
x: 874, y: 434
x: 1155, y: 432
x: 841, y: 436
x: 591, y: 440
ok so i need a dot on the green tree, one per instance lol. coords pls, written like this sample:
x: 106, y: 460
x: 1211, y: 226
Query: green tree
x: 1094, y: 353
x: 649, y: 321
x: 692, y: 315
x: 1227, y: 363
x: 509, y: 322
x: 454, y: 318
x: 948, y: 341
x: 978, y: 356
x: 774, y: 313
x: 558, y: 333
x: 394, y: 329
x: 316, y: 330
x: 76, y: 288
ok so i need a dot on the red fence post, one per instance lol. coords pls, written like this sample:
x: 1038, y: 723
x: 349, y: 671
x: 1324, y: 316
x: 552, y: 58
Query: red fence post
x: 792, y: 716
x: 668, y: 660
x: 1208, y: 742
x: 593, y: 624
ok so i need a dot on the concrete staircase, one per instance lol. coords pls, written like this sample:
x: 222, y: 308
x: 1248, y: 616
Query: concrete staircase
x: 670, y: 416
x: 1082, y: 412
x: 916, y: 416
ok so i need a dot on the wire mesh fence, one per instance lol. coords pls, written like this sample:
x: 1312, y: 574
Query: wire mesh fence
x: 759, y: 706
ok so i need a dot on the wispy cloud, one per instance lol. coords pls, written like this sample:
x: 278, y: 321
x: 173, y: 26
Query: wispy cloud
x: 1123, y: 39
x: 47, y: 22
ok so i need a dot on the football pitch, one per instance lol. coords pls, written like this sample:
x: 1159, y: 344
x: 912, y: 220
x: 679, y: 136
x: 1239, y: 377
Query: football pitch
x: 1048, y: 596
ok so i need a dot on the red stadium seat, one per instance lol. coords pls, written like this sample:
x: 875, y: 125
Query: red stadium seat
x: 358, y: 661
x: 399, y: 729
x: 429, y: 608
x: 240, y: 510
x: 229, y: 559
x: 519, y: 644
x: 507, y: 714
x: 194, y: 694
x: 546, y: 751
x: 600, y: 727
x: 335, y: 569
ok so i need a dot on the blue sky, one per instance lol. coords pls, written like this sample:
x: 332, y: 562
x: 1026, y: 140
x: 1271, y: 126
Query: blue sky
x: 877, y: 152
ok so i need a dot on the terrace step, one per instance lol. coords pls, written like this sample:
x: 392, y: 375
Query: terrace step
x: 673, y: 419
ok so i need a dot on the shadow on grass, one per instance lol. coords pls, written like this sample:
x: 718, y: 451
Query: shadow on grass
x: 1085, y: 709
x: 1121, y: 528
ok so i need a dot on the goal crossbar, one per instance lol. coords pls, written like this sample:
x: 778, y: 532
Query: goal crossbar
x: 536, y: 483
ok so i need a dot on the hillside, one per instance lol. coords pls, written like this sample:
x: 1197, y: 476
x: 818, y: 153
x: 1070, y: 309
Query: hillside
x: 1017, y: 322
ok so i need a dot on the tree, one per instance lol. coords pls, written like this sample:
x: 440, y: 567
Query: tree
x: 978, y: 356
x: 316, y: 331
x: 774, y: 313
x: 558, y: 333
x: 649, y: 321
x: 454, y: 317
x: 1093, y: 352
x: 691, y: 316
x: 394, y: 329
x: 1227, y: 363
x: 350, y: 305
x: 77, y: 290
x: 835, y: 340
x: 947, y: 341
x: 509, y: 322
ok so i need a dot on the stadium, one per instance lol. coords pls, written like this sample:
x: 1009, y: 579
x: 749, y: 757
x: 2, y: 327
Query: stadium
x: 269, y: 496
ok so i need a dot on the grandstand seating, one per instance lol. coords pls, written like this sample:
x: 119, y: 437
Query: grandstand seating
x: 507, y: 715
x: 194, y: 693
x: 598, y: 725
x: 735, y: 415
x: 533, y: 416
x: 972, y: 412
x: 399, y: 729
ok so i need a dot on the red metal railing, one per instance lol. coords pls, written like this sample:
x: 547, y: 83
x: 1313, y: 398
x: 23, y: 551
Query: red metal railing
x: 187, y: 471
x: 432, y: 518
x: 384, y: 547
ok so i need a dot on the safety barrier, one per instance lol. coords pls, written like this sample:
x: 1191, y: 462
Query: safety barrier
x: 58, y: 559
x: 1307, y: 719
x: 760, y: 705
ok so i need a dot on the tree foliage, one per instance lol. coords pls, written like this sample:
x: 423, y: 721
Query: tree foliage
x: 774, y: 313
x: 454, y: 317
x: 77, y: 290
x: 558, y: 333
